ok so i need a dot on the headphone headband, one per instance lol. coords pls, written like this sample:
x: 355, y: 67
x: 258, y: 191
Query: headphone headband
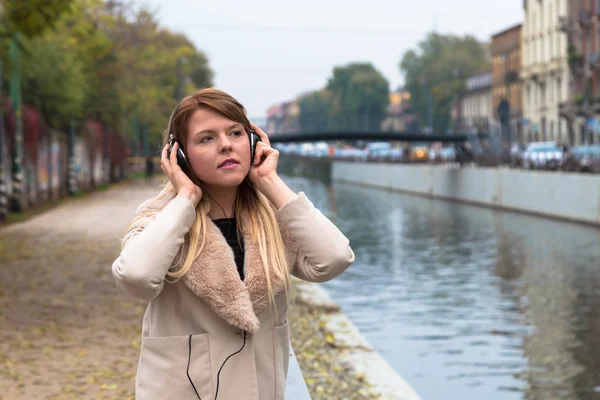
x: 171, y: 135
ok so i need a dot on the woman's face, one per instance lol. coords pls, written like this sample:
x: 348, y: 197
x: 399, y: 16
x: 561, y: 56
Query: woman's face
x: 218, y: 149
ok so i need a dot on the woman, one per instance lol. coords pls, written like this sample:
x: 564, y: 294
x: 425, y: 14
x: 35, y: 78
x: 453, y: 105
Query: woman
x: 213, y: 252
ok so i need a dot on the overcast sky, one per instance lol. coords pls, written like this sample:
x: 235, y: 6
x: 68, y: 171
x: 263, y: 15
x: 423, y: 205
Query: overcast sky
x: 265, y: 51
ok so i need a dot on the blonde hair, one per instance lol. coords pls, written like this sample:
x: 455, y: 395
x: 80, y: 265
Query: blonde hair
x: 262, y: 227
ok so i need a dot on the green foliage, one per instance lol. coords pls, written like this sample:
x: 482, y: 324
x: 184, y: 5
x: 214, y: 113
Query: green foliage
x: 54, y: 79
x: 314, y: 111
x: 105, y: 60
x: 355, y: 98
x: 440, y: 65
x: 31, y: 17
x: 360, y: 97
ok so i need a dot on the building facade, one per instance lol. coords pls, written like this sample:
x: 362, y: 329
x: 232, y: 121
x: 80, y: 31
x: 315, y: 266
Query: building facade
x: 400, y: 117
x: 283, y: 117
x: 545, y: 73
x: 472, y: 111
x: 507, y: 96
x: 581, y: 110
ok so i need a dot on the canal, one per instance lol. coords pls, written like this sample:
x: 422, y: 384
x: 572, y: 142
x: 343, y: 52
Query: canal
x: 467, y: 302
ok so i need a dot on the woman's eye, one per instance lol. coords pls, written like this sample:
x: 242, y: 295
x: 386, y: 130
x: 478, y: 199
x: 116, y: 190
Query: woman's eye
x: 236, y: 133
x: 205, y: 139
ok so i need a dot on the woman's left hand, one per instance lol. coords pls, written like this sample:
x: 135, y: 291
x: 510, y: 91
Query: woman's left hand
x: 264, y: 166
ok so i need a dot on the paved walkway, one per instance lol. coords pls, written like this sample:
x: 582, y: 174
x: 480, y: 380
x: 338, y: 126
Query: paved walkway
x: 64, y: 331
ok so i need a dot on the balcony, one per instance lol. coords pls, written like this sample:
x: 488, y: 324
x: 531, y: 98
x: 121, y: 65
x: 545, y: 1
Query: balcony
x: 563, y: 24
x: 511, y: 77
x: 575, y: 59
x: 531, y: 72
x: 566, y: 110
x: 594, y: 60
x: 582, y: 107
x: 571, y: 109
x: 585, y: 17
x: 596, y: 106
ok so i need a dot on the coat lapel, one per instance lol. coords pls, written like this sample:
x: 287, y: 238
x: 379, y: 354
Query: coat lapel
x: 214, y: 279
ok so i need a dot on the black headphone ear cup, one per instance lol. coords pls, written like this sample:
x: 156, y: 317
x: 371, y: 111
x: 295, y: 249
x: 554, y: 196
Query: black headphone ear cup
x: 181, y: 160
x: 254, y: 139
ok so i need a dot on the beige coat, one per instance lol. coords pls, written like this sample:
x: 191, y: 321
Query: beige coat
x: 213, y: 306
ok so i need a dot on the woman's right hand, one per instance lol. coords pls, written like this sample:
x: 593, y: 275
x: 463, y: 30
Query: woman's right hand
x: 181, y: 182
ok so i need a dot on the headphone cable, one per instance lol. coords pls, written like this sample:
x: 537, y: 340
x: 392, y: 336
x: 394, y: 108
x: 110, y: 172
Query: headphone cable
x: 218, y: 374
x: 188, y: 366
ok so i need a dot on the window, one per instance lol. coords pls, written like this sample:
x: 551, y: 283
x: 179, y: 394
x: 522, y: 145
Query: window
x: 543, y: 95
x: 557, y: 44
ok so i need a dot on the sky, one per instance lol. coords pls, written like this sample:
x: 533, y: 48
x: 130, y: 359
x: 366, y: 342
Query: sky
x: 264, y: 52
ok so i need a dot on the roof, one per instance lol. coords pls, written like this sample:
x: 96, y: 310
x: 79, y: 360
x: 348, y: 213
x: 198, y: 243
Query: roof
x: 517, y: 26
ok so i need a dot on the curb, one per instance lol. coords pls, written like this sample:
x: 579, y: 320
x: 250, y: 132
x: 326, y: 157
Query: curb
x: 353, y: 348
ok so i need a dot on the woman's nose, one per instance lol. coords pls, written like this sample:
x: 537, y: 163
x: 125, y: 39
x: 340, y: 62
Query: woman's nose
x: 225, y: 144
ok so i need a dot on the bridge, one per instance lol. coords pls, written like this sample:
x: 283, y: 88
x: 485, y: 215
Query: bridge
x: 279, y: 137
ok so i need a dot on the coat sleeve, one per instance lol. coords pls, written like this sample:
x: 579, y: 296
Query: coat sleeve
x: 323, y: 250
x: 144, y: 261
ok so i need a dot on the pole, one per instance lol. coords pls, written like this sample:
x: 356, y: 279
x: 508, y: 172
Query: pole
x: 508, y: 82
x: 3, y: 191
x: 122, y: 158
x: 145, y: 138
x: 429, y: 110
x: 50, y: 195
x: 138, y: 137
x: 106, y: 154
x: 179, y: 89
x: 15, y: 95
x: 72, y: 184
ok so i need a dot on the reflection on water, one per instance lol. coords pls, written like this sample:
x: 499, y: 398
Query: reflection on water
x: 466, y: 302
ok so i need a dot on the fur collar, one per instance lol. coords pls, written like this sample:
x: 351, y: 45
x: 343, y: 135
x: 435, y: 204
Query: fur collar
x: 214, y: 278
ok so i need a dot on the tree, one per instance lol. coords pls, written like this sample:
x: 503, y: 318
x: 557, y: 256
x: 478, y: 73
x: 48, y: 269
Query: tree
x: 107, y: 61
x: 315, y: 110
x: 30, y: 18
x: 359, y: 97
x: 439, y: 67
x: 59, y: 66
x: 54, y: 80
x: 144, y: 69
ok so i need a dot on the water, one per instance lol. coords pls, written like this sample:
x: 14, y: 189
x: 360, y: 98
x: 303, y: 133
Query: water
x: 466, y: 302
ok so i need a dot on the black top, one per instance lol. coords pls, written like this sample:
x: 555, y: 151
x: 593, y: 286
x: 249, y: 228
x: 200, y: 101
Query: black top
x: 230, y: 232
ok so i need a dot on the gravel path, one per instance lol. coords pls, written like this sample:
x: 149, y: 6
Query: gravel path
x: 64, y: 331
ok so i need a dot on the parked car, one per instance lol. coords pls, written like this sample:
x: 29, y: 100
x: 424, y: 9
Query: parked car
x: 516, y: 152
x: 582, y: 159
x: 377, y: 151
x: 543, y: 155
x: 448, y: 154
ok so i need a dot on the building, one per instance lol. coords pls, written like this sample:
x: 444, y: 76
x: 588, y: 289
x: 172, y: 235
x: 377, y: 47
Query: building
x: 472, y: 110
x: 580, y: 27
x: 283, y: 117
x: 400, y: 117
x: 507, y: 96
x: 261, y: 122
x: 545, y: 71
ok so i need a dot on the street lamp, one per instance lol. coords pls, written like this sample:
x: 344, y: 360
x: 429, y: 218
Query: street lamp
x: 424, y: 84
x: 179, y: 89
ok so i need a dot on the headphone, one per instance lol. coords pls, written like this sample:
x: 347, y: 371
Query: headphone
x: 182, y: 159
